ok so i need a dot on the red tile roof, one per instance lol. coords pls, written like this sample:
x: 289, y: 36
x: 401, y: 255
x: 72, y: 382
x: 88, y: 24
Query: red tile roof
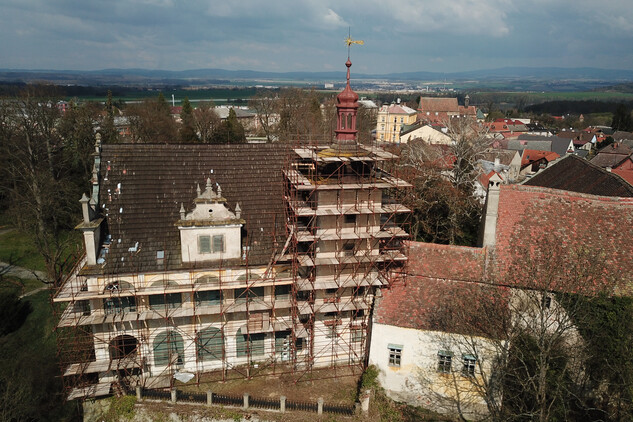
x: 458, y: 305
x: 530, y: 215
x: 530, y: 156
x: 433, y: 104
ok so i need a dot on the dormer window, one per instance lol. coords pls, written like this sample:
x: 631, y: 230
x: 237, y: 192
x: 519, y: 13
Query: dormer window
x: 210, y: 231
x: 211, y: 244
x: 218, y: 243
x: 204, y: 244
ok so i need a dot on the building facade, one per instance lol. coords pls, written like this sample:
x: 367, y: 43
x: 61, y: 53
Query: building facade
x: 391, y: 119
x: 226, y: 261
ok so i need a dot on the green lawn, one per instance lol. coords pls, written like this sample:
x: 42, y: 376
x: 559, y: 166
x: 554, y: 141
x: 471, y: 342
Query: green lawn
x: 29, y: 369
x: 19, y: 249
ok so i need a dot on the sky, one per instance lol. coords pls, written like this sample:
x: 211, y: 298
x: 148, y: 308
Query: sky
x: 295, y: 35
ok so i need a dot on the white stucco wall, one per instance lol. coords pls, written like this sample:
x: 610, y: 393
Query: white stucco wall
x: 417, y: 380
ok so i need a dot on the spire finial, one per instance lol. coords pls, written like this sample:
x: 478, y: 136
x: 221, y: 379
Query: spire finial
x: 349, y: 41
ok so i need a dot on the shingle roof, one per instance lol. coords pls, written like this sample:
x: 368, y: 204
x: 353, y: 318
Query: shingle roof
x: 575, y: 174
x: 611, y: 155
x: 142, y: 187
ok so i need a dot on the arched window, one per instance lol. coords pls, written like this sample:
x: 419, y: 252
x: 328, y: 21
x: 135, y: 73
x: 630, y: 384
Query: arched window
x: 168, y: 348
x: 253, y: 343
x: 119, y: 286
x: 123, y: 346
x: 165, y: 300
x: 251, y: 277
x: 119, y: 305
x: 210, y: 343
x: 208, y: 279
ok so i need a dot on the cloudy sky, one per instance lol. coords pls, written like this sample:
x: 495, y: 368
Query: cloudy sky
x: 296, y: 35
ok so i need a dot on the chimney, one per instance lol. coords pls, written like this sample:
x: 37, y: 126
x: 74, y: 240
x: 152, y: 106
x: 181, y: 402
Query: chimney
x: 85, y: 208
x: 492, y: 209
x: 91, y: 230
x: 466, y: 100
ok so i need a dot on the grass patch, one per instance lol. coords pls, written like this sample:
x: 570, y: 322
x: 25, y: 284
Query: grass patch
x: 29, y: 369
x: 20, y: 249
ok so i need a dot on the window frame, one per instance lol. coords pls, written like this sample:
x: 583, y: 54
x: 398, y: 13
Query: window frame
x: 214, y: 239
x: 469, y: 365
x: 204, y: 244
x: 444, y: 361
x: 395, y: 355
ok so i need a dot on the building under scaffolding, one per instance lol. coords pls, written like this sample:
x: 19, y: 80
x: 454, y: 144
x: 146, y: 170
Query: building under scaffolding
x: 226, y: 261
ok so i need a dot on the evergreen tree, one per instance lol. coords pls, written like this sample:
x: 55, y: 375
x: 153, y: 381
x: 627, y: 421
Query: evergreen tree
x: 622, y: 119
x: 230, y: 131
x: 187, y: 127
x: 108, y: 131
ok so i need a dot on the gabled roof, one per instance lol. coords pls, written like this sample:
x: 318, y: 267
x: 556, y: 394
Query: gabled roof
x: 143, y: 185
x: 611, y: 155
x: 530, y: 156
x: 397, y: 109
x: 435, y: 104
x: 575, y: 174
x: 620, y: 135
x: 505, y: 156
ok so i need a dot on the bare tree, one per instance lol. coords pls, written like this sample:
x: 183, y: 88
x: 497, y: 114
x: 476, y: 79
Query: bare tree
x: 37, y: 176
x: 445, y: 209
x: 205, y: 121
x: 265, y: 105
x: 151, y: 121
x: 523, y: 332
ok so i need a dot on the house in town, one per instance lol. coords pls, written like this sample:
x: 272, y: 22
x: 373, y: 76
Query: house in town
x: 442, y: 109
x: 390, y: 121
x: 435, y: 339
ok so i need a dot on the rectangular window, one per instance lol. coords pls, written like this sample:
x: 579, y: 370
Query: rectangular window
x: 208, y: 298
x: 350, y: 219
x: 395, y: 354
x: 119, y: 305
x: 218, y: 243
x: 546, y: 301
x: 165, y: 301
x: 204, y: 244
x: 282, y: 292
x: 244, y: 295
x: 348, y: 248
x: 444, y: 361
x: 357, y: 334
x: 468, y: 370
x: 331, y: 332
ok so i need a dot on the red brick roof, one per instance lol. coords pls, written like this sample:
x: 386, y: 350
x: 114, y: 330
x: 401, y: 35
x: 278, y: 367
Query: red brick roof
x: 433, y: 303
x: 433, y: 104
x: 528, y: 216
x: 531, y: 156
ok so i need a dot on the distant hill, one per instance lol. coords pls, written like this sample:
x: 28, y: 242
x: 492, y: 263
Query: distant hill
x: 216, y: 76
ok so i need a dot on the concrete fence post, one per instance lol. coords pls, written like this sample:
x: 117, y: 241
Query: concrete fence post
x: 282, y: 404
x: 209, y: 398
x: 364, y: 401
x: 245, y: 400
x: 320, y: 408
x: 139, y: 395
x: 174, y: 395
